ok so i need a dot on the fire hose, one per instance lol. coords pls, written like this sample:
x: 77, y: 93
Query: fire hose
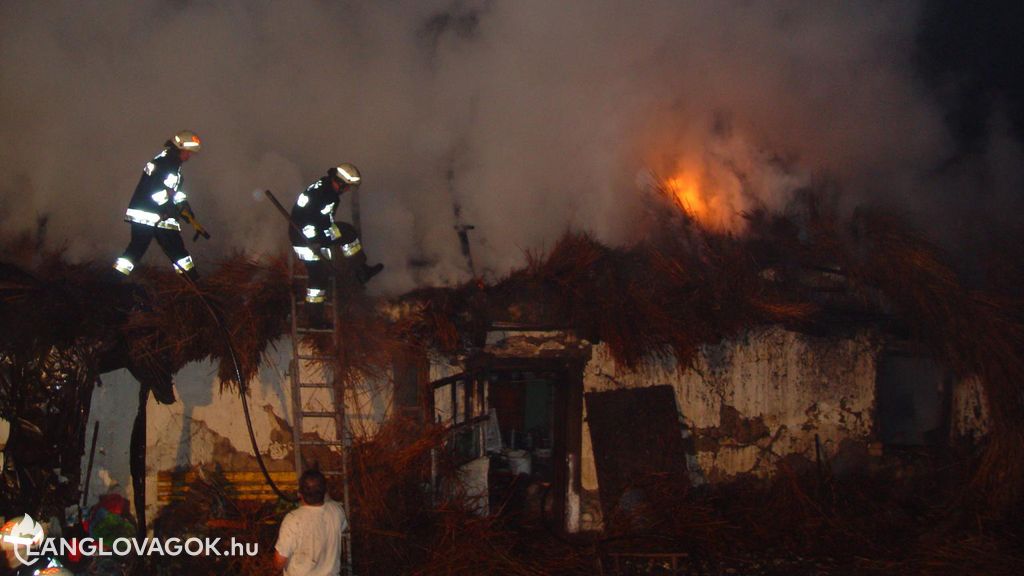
x: 242, y: 388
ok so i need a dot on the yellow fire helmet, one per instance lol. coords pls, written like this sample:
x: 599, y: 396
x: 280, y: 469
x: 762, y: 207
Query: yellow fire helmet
x: 346, y: 174
x: 187, y: 140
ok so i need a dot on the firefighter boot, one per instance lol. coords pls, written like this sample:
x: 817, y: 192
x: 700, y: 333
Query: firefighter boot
x: 364, y: 273
x: 116, y: 275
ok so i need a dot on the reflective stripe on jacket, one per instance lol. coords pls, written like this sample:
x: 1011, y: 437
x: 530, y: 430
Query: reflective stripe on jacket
x: 313, y: 213
x: 158, y: 198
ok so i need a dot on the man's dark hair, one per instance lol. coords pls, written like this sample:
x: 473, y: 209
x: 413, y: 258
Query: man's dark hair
x: 312, y: 486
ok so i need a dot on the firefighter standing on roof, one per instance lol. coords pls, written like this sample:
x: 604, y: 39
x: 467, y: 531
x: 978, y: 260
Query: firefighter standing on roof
x: 156, y: 205
x: 317, y: 238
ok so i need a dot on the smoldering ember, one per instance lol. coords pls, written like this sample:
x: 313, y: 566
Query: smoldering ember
x: 618, y: 289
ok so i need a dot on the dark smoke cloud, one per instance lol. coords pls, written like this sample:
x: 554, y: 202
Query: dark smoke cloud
x: 546, y: 115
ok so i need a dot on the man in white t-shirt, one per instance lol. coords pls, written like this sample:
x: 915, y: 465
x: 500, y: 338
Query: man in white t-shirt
x: 309, y: 542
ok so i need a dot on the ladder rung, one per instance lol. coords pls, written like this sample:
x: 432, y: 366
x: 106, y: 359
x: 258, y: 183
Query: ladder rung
x: 315, y: 385
x: 315, y: 330
x: 332, y: 472
x: 300, y: 300
x: 321, y: 443
x: 314, y: 414
x: 308, y: 357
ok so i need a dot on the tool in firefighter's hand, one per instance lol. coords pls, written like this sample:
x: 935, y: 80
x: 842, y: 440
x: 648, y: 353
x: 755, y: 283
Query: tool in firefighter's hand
x: 280, y: 208
x: 200, y: 231
x: 317, y: 246
x: 191, y: 219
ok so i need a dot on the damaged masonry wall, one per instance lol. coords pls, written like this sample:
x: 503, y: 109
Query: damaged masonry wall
x: 748, y: 402
x: 751, y: 401
x: 970, y: 415
x: 206, y: 426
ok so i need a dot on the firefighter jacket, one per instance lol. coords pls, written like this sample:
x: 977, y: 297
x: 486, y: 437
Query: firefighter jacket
x: 313, y: 213
x: 158, y: 199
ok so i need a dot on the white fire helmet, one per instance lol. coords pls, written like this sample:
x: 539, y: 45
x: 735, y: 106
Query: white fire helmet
x: 187, y: 140
x: 347, y: 174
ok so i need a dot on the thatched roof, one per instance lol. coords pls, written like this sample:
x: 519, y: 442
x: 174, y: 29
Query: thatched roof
x: 678, y: 289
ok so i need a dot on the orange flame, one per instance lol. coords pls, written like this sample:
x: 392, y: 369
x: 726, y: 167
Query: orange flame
x: 704, y: 206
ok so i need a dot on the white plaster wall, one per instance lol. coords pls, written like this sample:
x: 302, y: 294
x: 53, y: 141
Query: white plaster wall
x: 183, y: 434
x: 368, y: 404
x: 530, y: 343
x: 441, y: 367
x: 180, y: 434
x: 797, y: 385
x: 5, y: 433
x: 113, y: 406
x: 970, y: 409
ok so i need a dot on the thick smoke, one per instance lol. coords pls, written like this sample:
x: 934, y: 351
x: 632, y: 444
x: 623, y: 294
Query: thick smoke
x: 533, y: 116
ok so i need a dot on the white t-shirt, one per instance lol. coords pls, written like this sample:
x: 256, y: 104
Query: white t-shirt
x: 310, y: 537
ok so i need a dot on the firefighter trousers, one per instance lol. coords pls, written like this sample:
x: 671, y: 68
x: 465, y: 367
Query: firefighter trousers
x: 347, y: 246
x: 169, y: 240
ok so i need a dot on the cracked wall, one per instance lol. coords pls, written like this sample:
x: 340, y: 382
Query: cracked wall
x: 206, y: 426
x: 751, y: 401
x: 970, y: 415
x: 746, y: 403
x: 5, y: 432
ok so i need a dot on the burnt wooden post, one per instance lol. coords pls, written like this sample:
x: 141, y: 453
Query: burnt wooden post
x: 137, y: 461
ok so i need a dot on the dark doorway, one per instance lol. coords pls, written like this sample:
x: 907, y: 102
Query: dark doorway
x: 523, y: 479
x: 525, y: 415
x: 913, y: 395
x: 523, y: 402
x: 411, y: 369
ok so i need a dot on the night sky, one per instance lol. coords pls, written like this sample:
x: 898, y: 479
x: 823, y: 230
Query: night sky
x: 550, y: 116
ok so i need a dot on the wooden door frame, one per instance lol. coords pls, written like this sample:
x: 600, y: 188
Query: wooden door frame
x: 568, y: 418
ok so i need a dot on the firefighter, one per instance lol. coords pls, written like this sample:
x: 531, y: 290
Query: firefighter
x: 317, y: 238
x: 157, y: 204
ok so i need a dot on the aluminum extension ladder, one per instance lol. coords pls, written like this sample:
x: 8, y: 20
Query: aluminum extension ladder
x: 318, y: 397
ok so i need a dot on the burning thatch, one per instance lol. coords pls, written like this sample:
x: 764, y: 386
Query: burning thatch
x: 681, y: 288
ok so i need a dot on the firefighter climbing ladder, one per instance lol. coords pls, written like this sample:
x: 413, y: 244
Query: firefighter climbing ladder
x: 318, y: 400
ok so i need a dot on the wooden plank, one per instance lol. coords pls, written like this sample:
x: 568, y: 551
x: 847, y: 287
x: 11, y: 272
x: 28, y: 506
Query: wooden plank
x: 238, y: 485
x: 637, y: 440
